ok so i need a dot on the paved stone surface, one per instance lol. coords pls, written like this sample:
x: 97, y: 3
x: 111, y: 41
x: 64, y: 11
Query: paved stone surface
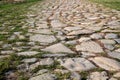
x: 77, y: 64
x: 114, y: 54
x: 43, y: 38
x: 106, y: 63
x: 46, y: 76
x: 111, y: 36
x: 107, y: 41
x: 28, y: 53
x: 58, y: 48
x: 98, y: 76
x: 79, y: 34
x: 89, y: 46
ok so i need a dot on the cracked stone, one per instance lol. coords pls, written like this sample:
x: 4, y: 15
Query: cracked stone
x: 89, y: 46
x: 45, y: 76
x: 106, y: 63
x: 77, y: 64
x: 43, y: 38
x: 58, y: 48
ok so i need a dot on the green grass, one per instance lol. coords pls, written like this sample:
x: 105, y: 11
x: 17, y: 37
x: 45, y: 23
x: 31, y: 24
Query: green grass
x: 114, y: 4
x: 8, y: 64
x: 12, y: 18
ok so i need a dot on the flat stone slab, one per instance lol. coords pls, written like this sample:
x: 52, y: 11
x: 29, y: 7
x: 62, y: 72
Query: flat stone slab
x: 96, y: 36
x: 111, y: 36
x: 42, y: 26
x: 72, y: 28
x: 58, y: 48
x: 107, y: 41
x: 43, y: 38
x: 28, y: 53
x: 45, y: 61
x: 54, y: 55
x: 79, y: 32
x: 117, y: 40
x: 57, y: 24
x: 41, y: 31
x: 46, y: 76
x: 114, y: 54
x: 98, y: 76
x: 29, y: 60
x: 89, y: 46
x: 106, y: 63
x: 76, y: 64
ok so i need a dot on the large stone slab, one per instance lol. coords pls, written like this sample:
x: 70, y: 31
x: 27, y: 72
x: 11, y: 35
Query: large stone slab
x: 77, y: 64
x: 45, y: 61
x: 27, y: 53
x: 98, y: 76
x: 106, y: 63
x: 58, y: 48
x: 78, y: 32
x: 114, y: 54
x: 43, y: 38
x: 41, y: 31
x: 72, y: 28
x: 89, y: 46
x: 57, y: 24
x: 46, y: 76
x: 107, y: 41
x: 111, y: 36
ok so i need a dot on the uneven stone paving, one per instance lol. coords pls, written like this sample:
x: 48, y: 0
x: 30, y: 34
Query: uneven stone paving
x: 78, y: 38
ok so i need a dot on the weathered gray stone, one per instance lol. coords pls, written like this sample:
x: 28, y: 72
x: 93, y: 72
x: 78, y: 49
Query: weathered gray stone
x: 76, y: 64
x: 87, y: 54
x: 73, y: 42
x: 109, y: 47
x: 28, y: 53
x: 98, y: 76
x: 54, y: 55
x: 107, y: 41
x: 96, y: 36
x: 42, y: 71
x: 106, y: 63
x: 82, y: 39
x: 114, y: 54
x: 78, y: 32
x: 7, y: 52
x: 46, y: 76
x: 89, y: 46
x: 72, y: 28
x: 41, y: 31
x: 117, y: 40
x: 75, y: 76
x: 43, y: 38
x: 58, y: 48
x: 110, y: 31
x: 57, y: 23
x: 31, y: 60
x: 111, y: 36
x: 45, y: 61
